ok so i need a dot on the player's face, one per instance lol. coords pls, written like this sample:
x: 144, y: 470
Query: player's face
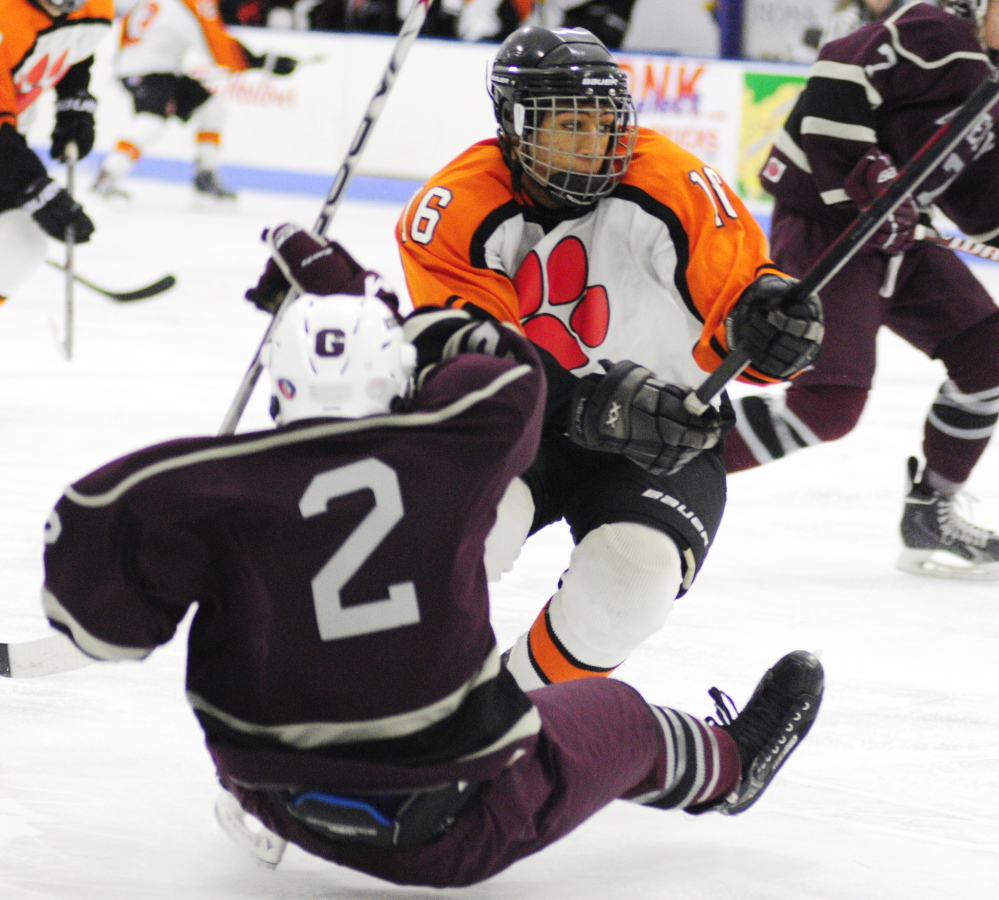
x: 574, y: 140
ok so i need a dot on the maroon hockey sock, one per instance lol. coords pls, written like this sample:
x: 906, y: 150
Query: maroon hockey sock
x: 809, y: 415
x: 700, y: 762
x: 960, y: 425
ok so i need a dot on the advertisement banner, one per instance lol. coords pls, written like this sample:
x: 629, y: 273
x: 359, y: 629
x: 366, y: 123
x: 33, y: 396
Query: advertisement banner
x: 695, y: 103
x: 767, y: 100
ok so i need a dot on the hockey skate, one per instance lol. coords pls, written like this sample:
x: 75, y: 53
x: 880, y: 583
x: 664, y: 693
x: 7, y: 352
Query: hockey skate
x: 939, y: 542
x: 207, y: 184
x: 773, y: 722
x: 106, y: 186
x: 247, y: 832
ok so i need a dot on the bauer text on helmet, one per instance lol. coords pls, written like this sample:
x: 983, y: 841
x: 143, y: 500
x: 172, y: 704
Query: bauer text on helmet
x: 338, y: 357
x: 566, y: 117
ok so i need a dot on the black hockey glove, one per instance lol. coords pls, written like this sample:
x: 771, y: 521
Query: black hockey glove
x: 272, y: 63
x: 313, y: 264
x: 441, y: 333
x: 780, y: 331
x: 631, y: 412
x: 53, y: 209
x: 74, y: 121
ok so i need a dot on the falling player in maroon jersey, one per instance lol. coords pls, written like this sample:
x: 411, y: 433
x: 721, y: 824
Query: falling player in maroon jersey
x: 872, y: 100
x: 341, y: 660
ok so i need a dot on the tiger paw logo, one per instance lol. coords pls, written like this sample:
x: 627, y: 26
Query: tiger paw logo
x: 39, y: 75
x: 558, y: 310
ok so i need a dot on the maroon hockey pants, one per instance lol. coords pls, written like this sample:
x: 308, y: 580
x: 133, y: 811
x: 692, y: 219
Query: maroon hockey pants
x: 599, y: 741
x: 937, y: 306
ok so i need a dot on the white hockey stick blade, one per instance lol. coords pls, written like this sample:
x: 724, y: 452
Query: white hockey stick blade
x: 933, y: 565
x: 45, y: 656
x: 247, y: 832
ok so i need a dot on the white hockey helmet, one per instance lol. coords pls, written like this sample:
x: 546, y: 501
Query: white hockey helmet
x: 340, y: 356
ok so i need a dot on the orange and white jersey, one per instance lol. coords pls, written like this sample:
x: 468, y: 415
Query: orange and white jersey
x: 37, y: 50
x: 157, y: 35
x: 648, y: 274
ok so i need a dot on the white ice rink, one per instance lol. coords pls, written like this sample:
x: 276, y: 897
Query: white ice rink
x: 106, y: 791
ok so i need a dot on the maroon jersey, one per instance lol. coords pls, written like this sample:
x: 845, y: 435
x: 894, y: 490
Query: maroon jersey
x: 890, y: 84
x: 342, y: 634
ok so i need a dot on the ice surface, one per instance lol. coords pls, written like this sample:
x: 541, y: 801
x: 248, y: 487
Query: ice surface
x: 106, y: 791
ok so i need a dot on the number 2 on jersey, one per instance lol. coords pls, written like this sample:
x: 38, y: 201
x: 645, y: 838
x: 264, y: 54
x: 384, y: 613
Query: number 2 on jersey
x: 400, y: 607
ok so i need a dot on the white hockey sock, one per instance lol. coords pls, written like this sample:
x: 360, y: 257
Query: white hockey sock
x: 142, y: 130
x: 22, y: 248
x: 513, y: 521
x: 619, y: 588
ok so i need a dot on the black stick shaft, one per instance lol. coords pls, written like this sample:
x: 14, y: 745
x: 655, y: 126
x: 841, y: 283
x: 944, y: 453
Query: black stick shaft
x: 915, y: 172
x: 407, y: 35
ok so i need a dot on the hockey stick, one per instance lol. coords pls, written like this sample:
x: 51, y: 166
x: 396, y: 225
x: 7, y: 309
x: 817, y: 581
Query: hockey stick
x: 837, y: 255
x: 407, y: 36
x: 151, y: 290
x: 45, y: 656
x: 66, y: 344
x: 955, y: 242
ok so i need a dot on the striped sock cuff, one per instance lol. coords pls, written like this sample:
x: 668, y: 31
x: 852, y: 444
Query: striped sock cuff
x: 549, y: 657
x: 702, y: 762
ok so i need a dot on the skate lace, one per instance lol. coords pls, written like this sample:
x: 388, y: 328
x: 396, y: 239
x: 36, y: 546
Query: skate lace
x: 751, y: 731
x: 954, y: 527
x: 725, y: 709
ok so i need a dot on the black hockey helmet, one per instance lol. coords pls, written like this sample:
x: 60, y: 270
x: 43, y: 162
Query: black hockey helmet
x: 538, y: 71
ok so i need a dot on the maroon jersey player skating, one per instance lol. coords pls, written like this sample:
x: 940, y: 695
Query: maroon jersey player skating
x: 341, y: 660
x: 874, y: 97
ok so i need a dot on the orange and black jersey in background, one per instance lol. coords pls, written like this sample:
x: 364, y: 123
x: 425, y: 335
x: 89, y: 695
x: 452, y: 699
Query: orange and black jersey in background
x: 648, y: 274
x: 37, y: 51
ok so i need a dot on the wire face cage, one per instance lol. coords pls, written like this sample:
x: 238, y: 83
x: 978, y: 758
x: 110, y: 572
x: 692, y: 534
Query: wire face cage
x: 577, y: 148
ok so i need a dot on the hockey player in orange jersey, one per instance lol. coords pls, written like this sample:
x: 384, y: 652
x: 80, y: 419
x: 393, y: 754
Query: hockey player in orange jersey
x: 43, y: 44
x: 636, y: 268
x: 156, y: 35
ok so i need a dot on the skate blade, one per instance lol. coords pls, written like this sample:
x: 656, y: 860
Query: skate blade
x: 923, y: 562
x: 263, y: 845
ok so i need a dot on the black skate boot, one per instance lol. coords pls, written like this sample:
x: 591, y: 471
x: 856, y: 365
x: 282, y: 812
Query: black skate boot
x: 931, y: 525
x: 206, y: 183
x: 773, y: 722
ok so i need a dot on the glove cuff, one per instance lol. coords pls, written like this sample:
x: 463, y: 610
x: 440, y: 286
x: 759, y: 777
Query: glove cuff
x: 81, y: 102
x: 40, y: 192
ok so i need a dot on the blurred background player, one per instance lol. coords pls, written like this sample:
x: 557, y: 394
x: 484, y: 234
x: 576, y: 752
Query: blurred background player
x: 43, y: 44
x: 156, y: 35
x: 853, y: 14
x: 871, y: 101
x: 341, y: 660
x: 604, y: 241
